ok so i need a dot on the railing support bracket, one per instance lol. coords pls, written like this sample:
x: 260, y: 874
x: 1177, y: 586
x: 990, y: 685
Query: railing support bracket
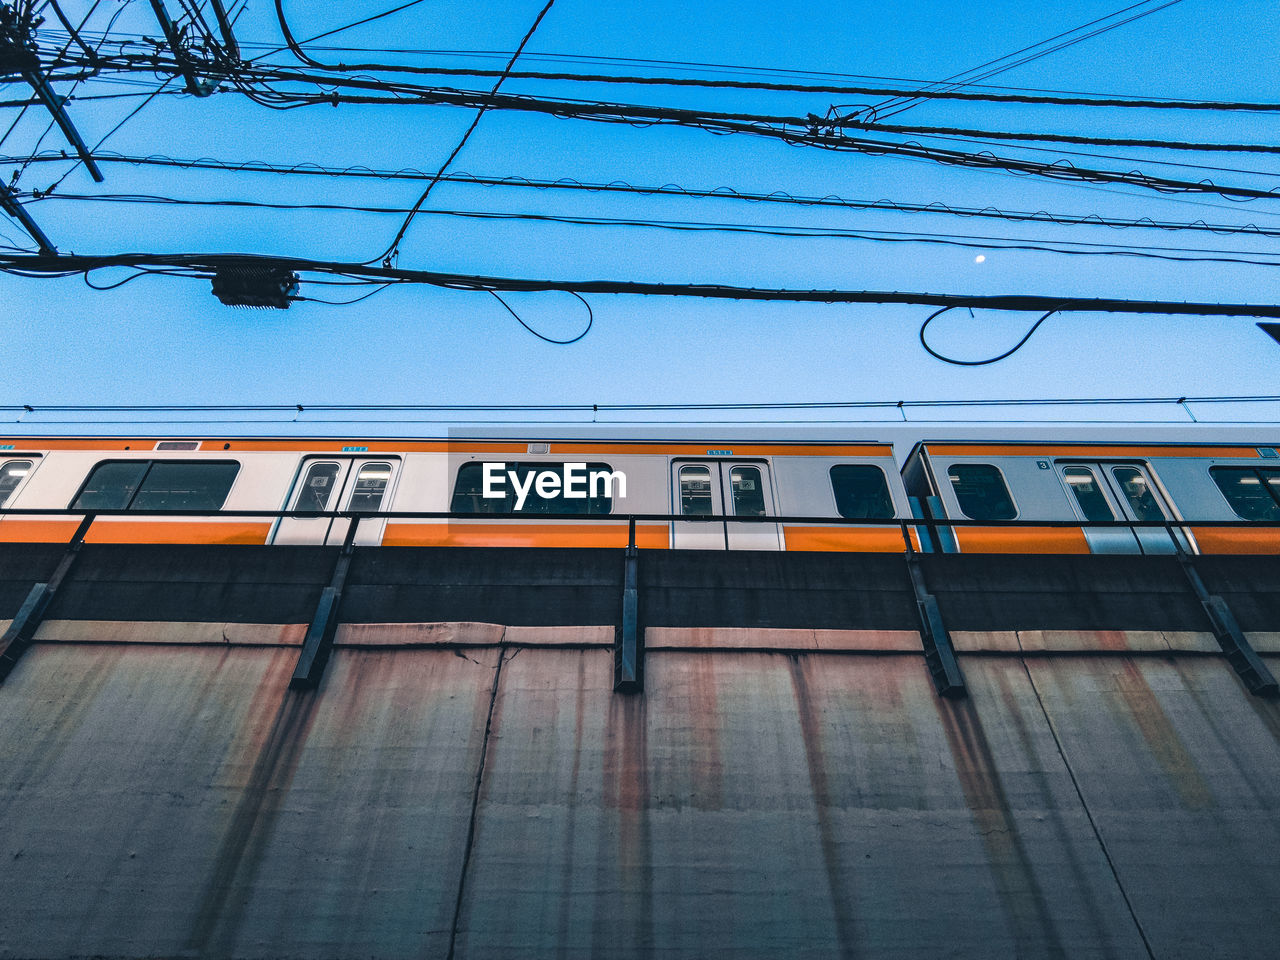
x: 317, y: 645
x: 30, y: 615
x: 1251, y: 669
x: 628, y: 652
x: 939, y: 654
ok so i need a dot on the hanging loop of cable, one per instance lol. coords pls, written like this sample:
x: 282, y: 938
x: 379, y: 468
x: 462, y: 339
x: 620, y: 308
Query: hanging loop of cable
x: 389, y: 254
x: 977, y: 363
x: 591, y: 319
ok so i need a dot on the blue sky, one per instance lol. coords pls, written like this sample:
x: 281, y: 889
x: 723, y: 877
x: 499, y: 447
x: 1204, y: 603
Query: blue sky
x: 167, y: 340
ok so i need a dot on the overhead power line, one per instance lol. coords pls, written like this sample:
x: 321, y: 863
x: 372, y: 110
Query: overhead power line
x: 620, y: 187
x: 295, y: 408
x: 404, y: 227
x: 851, y: 122
x: 799, y: 131
x: 1068, y: 247
x: 834, y: 124
x: 1035, y: 51
x: 208, y: 264
x: 830, y: 132
x: 923, y: 93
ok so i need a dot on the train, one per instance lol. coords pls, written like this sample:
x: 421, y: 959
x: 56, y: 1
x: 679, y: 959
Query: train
x: 1016, y: 496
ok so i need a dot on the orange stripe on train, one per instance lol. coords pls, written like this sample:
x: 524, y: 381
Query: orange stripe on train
x: 1021, y: 539
x: 847, y: 539
x: 522, y: 534
x: 1237, y: 540
x: 107, y: 530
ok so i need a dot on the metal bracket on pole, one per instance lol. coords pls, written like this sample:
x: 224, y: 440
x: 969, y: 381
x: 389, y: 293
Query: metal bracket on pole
x: 1257, y: 678
x: 10, y: 205
x: 18, y: 637
x: 628, y: 652
x: 318, y: 643
x: 939, y: 655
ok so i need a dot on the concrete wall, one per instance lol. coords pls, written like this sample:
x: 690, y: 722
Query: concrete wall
x: 772, y: 793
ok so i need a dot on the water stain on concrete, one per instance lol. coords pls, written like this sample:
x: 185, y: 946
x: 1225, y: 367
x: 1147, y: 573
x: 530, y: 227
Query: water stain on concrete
x: 1043, y: 798
x: 811, y: 723
x: 1021, y: 895
x: 569, y: 864
x: 236, y: 864
x: 628, y: 929
x: 1166, y: 746
x: 47, y: 745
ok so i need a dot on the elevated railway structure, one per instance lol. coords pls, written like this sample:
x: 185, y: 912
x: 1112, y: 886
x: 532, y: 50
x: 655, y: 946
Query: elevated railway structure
x: 331, y: 745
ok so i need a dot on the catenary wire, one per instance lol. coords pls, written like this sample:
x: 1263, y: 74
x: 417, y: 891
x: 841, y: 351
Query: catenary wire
x: 983, y: 242
x: 307, y: 169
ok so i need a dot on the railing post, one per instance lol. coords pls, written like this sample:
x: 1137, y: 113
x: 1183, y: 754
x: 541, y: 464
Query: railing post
x: 628, y: 664
x: 318, y: 643
x: 1251, y: 669
x: 939, y: 655
x: 18, y: 637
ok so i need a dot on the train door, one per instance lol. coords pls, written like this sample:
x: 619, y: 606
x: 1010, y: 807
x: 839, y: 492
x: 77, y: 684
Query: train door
x: 323, y: 484
x: 1117, y: 491
x: 735, y: 488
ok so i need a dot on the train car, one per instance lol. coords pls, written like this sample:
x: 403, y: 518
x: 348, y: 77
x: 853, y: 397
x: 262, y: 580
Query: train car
x: 1033, y: 481
x: 485, y: 481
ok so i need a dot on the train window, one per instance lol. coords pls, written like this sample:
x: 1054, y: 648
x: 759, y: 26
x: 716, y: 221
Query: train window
x: 111, y: 485
x: 558, y: 502
x: 317, y: 486
x: 178, y: 485
x: 157, y: 485
x: 468, y: 490
x: 1253, y: 494
x: 861, y: 492
x: 1134, y: 486
x: 371, y: 485
x: 695, y: 491
x: 1084, y: 485
x: 748, y: 492
x: 11, y: 474
x: 981, y: 491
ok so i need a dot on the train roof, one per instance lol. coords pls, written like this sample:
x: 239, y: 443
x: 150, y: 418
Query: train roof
x: 903, y: 436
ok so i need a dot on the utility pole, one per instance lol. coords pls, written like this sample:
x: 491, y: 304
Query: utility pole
x: 173, y: 37
x: 224, y: 25
x: 18, y: 55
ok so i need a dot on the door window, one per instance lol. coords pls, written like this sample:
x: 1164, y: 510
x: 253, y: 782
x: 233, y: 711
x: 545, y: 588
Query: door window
x: 317, y: 486
x: 748, y: 492
x: 1133, y: 484
x: 370, y: 487
x: 695, y: 491
x: 1084, y: 486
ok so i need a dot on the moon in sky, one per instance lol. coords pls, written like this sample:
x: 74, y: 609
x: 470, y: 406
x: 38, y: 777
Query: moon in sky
x: 979, y: 259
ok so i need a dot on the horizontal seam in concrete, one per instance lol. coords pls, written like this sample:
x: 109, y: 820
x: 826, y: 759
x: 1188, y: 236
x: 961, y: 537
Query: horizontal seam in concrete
x: 178, y: 644
x: 653, y: 648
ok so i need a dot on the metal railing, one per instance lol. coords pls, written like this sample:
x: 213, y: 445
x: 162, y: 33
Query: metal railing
x: 904, y: 524
x: 628, y: 648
